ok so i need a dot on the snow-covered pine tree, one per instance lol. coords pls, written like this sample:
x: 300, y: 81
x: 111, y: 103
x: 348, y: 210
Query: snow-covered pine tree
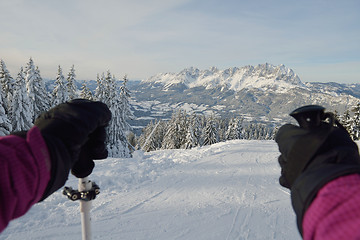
x: 21, y: 115
x: 176, y: 131
x: 238, y: 127
x: 229, y: 134
x: 145, y: 141
x: 274, y: 132
x: 183, y: 123
x: 194, y: 131
x: 210, y: 133
x: 261, y: 131
x: 118, y: 145
x: 152, y: 136
x: 190, y: 140
x: 346, y: 120
x: 59, y: 94
x: 99, y: 94
x: 197, y: 125
x: 234, y: 130
x: 7, y: 83
x: 127, y: 114
x: 41, y: 102
x: 30, y: 78
x: 70, y: 84
x: 170, y: 140
x: 268, y: 133
x: 5, y: 124
x: 355, y: 130
x: 85, y: 92
x: 223, y: 125
x: 246, y: 132
x: 110, y: 88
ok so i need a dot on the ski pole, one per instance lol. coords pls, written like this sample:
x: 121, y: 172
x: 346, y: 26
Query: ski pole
x: 85, y: 206
x: 86, y: 192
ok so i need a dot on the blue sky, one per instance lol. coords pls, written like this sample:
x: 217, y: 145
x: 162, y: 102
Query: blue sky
x: 318, y: 39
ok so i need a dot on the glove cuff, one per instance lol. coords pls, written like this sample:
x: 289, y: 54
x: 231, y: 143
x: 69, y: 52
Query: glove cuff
x: 307, y: 185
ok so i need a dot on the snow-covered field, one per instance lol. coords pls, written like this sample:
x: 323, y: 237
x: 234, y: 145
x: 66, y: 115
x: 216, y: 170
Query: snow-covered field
x: 224, y: 191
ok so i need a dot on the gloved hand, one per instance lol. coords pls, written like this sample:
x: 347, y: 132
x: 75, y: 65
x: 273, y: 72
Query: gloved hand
x: 311, y: 158
x: 75, y: 135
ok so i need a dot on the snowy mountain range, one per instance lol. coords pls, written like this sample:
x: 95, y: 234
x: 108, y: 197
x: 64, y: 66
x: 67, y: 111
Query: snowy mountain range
x: 265, y: 76
x: 264, y: 93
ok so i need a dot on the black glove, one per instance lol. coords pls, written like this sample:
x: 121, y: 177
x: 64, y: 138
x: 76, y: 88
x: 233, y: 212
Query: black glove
x: 74, y: 133
x: 311, y: 158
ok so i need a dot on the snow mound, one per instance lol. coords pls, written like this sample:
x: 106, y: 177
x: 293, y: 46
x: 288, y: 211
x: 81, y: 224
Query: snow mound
x: 227, y: 191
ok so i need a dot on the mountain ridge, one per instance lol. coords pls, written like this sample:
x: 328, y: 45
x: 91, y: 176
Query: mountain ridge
x: 262, y: 76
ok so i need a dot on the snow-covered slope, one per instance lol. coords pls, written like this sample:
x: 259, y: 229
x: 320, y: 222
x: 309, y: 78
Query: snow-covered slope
x: 262, y: 76
x: 224, y: 191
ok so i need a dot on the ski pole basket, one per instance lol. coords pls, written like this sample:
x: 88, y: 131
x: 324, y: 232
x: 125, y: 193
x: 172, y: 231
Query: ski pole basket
x: 88, y: 195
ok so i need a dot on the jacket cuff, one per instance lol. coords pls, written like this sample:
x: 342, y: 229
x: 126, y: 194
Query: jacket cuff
x: 306, y: 187
x: 41, y: 155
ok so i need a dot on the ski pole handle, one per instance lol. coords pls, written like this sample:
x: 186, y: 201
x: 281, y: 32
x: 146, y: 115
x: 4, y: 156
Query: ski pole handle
x: 312, y: 116
x: 309, y: 117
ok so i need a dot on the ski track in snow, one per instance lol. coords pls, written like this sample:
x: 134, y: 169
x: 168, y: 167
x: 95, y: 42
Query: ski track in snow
x: 224, y: 191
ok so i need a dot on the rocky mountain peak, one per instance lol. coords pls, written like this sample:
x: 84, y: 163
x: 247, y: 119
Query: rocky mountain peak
x: 263, y: 76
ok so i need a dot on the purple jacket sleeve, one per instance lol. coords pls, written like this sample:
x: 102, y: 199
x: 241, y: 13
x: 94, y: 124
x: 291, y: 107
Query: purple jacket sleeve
x: 335, y: 212
x: 24, y: 174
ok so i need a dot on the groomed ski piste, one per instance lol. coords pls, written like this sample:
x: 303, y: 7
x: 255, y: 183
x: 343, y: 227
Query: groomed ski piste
x: 225, y: 191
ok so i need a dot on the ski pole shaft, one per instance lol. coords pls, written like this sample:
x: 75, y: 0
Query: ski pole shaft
x: 85, y: 206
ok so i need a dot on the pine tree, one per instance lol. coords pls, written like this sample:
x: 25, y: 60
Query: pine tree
x: 99, y: 94
x: 196, y: 123
x: 355, y: 131
x: 125, y: 105
x: 152, y: 137
x: 85, y: 92
x: 21, y: 115
x: 193, y: 135
x: 210, y: 133
x: 274, y: 132
x: 238, y: 127
x: 7, y: 83
x: 5, y: 80
x: 59, y: 94
x: 70, y: 85
x: 346, y: 120
x: 110, y: 88
x: 176, y: 131
x: 5, y: 124
x: 190, y: 140
x: 170, y: 140
x: 41, y: 101
x: 246, y: 133
x: 145, y: 141
x: 30, y: 78
x: 223, y: 125
x: 118, y: 145
x: 234, y: 130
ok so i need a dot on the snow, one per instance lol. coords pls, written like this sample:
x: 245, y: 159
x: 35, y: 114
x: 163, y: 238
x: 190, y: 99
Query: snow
x: 227, y: 191
x: 263, y: 76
